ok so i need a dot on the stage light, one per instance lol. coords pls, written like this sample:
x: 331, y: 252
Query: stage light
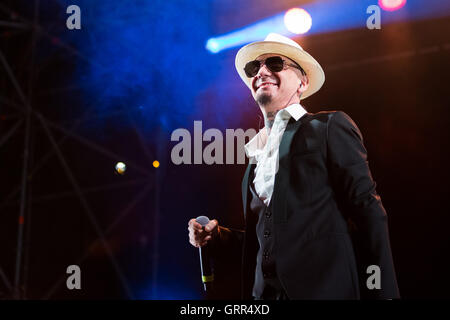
x: 254, y: 32
x: 329, y: 16
x: 297, y: 20
x: 212, y: 45
x: 391, y: 5
x: 121, y: 167
x: 156, y: 163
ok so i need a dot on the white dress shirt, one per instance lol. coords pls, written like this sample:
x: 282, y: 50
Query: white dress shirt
x: 263, y: 149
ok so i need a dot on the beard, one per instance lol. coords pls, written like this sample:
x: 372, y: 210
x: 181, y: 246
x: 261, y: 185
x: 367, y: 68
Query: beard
x: 264, y: 99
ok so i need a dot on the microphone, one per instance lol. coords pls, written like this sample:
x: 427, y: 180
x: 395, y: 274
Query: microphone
x: 205, y: 266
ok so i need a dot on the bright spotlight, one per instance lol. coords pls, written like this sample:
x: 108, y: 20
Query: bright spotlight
x: 121, y: 167
x: 297, y: 20
x: 212, y: 45
x: 391, y: 5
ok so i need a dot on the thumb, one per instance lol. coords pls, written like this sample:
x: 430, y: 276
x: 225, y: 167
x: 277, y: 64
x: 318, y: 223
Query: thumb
x: 211, y: 225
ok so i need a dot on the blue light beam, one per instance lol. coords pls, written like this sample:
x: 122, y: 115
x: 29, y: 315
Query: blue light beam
x: 329, y: 16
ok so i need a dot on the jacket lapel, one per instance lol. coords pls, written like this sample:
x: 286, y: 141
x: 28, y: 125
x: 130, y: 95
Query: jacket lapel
x: 282, y: 176
x: 245, y: 187
x: 285, y: 144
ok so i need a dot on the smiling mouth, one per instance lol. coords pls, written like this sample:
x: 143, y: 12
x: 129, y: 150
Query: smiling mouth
x: 266, y: 85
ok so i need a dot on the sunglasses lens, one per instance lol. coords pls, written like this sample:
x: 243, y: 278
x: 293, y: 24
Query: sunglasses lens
x: 275, y: 64
x: 252, y: 68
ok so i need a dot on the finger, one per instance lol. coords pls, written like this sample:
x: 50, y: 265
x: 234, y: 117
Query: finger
x: 211, y: 225
x: 199, y: 233
x: 192, y: 242
x: 200, y: 237
x: 192, y: 233
x: 197, y: 226
x: 194, y: 225
x: 195, y: 229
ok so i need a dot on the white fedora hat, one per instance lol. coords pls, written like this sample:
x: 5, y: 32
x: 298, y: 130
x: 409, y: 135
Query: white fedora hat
x: 278, y: 44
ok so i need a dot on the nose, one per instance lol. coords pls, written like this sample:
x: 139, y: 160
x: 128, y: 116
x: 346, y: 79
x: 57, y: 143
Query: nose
x: 263, y: 71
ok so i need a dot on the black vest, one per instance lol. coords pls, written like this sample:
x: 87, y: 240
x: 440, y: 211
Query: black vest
x: 266, y: 285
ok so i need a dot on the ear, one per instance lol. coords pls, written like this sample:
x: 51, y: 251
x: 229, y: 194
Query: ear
x: 302, y: 87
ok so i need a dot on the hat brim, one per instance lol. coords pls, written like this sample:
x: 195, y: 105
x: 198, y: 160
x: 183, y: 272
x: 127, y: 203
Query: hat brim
x: 314, y: 71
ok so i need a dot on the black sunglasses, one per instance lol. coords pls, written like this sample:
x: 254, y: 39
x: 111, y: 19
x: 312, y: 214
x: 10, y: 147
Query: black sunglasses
x: 274, y: 64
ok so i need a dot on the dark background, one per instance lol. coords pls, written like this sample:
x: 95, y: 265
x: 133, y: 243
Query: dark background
x: 104, y: 94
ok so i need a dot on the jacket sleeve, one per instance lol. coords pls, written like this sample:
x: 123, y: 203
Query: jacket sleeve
x: 226, y: 254
x: 228, y: 239
x: 355, y: 189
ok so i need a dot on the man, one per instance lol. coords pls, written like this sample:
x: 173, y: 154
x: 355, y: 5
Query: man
x: 314, y: 224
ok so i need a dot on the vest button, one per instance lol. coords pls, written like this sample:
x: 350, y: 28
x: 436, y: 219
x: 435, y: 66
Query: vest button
x: 266, y: 234
x: 266, y: 255
x: 268, y: 213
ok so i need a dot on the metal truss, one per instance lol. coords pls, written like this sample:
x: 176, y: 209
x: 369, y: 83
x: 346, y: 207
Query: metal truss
x: 28, y: 118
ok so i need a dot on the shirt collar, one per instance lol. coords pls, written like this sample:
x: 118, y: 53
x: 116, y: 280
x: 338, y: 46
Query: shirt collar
x: 254, y: 146
x: 295, y: 111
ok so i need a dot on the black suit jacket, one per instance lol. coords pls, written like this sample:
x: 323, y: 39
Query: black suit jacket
x: 329, y: 222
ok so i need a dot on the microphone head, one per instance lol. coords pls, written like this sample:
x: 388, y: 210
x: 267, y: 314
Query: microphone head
x: 203, y: 220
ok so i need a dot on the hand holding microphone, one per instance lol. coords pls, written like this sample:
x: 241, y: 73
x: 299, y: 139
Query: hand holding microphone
x: 200, y: 234
x: 201, y: 230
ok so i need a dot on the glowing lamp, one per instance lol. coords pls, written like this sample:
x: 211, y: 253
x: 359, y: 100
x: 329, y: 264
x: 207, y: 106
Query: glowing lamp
x: 391, y: 5
x: 297, y: 20
x: 121, y: 167
x: 212, y: 45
